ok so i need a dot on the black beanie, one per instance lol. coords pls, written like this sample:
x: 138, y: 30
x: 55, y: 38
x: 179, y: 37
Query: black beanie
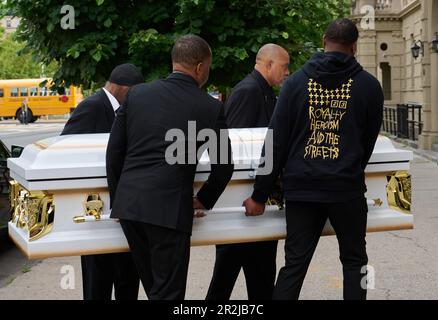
x: 126, y: 75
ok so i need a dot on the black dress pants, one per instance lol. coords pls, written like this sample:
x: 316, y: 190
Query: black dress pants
x: 161, y: 256
x: 305, y: 222
x: 101, y: 272
x: 258, y: 261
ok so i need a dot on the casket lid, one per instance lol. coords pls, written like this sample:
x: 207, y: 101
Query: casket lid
x: 83, y: 156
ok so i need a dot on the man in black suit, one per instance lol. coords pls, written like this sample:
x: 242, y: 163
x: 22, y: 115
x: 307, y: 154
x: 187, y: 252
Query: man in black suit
x: 150, y: 193
x: 251, y: 105
x: 96, y: 114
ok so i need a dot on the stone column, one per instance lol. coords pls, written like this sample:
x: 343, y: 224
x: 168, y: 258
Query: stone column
x: 367, y: 51
x: 397, y: 52
x: 430, y: 78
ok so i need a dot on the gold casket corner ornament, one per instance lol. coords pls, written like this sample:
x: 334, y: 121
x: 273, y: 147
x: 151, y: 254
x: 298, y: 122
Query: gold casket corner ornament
x: 399, y: 191
x: 33, y: 211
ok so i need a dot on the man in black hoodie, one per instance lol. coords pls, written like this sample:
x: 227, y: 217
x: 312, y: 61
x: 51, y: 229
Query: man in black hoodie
x: 325, y: 126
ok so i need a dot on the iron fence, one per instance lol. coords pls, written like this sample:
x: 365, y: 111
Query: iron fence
x: 403, y: 121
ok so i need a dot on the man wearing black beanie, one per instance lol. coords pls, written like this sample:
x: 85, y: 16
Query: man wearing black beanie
x: 96, y: 114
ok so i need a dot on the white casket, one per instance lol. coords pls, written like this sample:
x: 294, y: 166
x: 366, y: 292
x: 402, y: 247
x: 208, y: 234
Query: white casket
x: 61, y: 203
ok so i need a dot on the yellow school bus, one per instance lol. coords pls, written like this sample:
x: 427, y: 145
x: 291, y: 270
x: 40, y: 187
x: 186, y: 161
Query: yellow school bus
x: 25, y: 100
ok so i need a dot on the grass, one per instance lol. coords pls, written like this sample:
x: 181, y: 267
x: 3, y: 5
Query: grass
x: 25, y: 269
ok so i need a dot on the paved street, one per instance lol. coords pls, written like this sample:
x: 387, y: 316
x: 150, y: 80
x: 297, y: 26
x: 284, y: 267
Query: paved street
x: 405, y: 262
x: 14, y: 133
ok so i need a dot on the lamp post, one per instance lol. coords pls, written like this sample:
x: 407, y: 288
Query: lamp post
x: 417, y: 48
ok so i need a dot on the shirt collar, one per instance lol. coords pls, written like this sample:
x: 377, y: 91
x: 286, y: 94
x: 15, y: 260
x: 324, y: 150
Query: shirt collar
x: 182, y: 76
x: 114, y: 103
x: 262, y: 82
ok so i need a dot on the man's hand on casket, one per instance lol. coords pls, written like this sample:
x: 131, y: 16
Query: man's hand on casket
x: 253, y: 208
x: 198, y: 208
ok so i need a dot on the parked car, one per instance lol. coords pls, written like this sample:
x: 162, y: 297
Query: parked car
x: 4, y: 191
x: 5, y: 205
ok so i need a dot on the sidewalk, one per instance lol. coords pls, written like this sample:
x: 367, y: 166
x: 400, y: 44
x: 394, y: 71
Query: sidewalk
x: 413, y: 146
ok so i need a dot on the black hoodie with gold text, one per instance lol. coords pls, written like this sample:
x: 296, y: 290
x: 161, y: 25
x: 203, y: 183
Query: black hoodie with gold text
x: 325, y: 126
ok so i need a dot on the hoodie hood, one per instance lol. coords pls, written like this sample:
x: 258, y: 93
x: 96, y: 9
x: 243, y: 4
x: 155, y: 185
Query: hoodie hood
x: 331, y: 69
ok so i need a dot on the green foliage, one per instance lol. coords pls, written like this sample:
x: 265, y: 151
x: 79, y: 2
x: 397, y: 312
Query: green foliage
x: 110, y: 32
x: 18, y: 66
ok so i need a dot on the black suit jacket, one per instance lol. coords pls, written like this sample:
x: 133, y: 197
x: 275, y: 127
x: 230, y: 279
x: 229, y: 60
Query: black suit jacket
x: 93, y: 115
x: 143, y: 186
x: 251, y: 103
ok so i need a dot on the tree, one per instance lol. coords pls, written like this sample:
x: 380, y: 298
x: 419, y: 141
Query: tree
x: 13, y: 66
x: 110, y: 32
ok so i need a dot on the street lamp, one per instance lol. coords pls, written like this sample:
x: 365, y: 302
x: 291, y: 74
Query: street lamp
x: 417, y: 48
x: 435, y: 43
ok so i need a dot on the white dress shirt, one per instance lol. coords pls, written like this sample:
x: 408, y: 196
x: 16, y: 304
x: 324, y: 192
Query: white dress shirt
x: 115, y: 104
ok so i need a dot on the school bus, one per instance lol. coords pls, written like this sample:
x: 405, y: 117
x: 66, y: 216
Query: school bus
x: 38, y: 101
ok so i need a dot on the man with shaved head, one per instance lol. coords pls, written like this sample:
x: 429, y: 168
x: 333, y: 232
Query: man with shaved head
x: 252, y: 100
x: 251, y: 105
